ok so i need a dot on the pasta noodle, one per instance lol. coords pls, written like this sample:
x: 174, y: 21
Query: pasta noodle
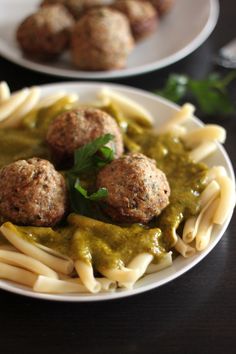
x: 10, y: 105
x: 138, y: 264
x: 165, y: 262
x: 127, y: 106
x: 60, y: 265
x: 17, y: 275
x: 202, y: 151
x: 85, y: 272
x: 48, y: 285
x: 184, y: 249
x: 27, y: 105
x: 185, y: 113
x: 26, y: 262
x: 210, y: 132
x: 227, y: 200
x: 4, y: 92
x: 205, y: 227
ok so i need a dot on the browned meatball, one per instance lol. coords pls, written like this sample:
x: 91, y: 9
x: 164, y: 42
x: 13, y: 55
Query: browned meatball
x: 32, y: 192
x: 45, y: 34
x: 142, y: 16
x: 137, y: 189
x: 162, y: 6
x: 101, y: 40
x: 76, y: 7
x: 75, y: 128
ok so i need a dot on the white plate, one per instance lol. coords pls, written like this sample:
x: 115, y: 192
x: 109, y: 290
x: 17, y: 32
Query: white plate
x: 161, y: 110
x: 183, y: 30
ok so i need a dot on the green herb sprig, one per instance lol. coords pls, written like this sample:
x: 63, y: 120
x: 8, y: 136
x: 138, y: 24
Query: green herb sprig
x: 210, y: 94
x: 88, y: 160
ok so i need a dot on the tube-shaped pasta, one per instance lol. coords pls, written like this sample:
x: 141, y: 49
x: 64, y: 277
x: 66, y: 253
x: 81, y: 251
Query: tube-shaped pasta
x: 185, y: 113
x: 106, y: 284
x: 209, y: 132
x: 203, y: 150
x: 10, y: 232
x: 139, y: 264
x: 227, y: 199
x: 50, y: 99
x: 27, y: 105
x: 48, y: 285
x: 212, y: 190
x: 192, y: 225
x: 26, y: 262
x: 205, y: 226
x: 128, y: 107
x: 17, y: 275
x: 214, y: 173
x: 4, y: 92
x: 85, y: 272
x: 184, y: 249
x: 165, y: 261
x: 10, y: 105
x: 189, y: 232
x: 123, y: 275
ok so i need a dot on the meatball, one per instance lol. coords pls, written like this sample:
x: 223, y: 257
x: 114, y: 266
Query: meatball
x: 76, y: 7
x: 162, y: 6
x: 101, y: 40
x: 137, y: 189
x: 141, y: 15
x: 75, y: 128
x: 32, y: 192
x: 45, y: 34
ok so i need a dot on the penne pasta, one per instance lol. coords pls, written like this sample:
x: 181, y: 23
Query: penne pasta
x: 57, y: 264
x: 128, y: 107
x: 184, y: 249
x: 4, y: 92
x: 11, y: 104
x: 202, y: 151
x: 17, y: 275
x: 227, y: 200
x: 25, y: 107
x: 210, y: 132
x: 50, y: 100
x: 185, y: 113
x: 106, y: 284
x: 48, y: 285
x: 165, y: 262
x: 211, y: 191
x: 123, y: 275
x: 192, y: 225
x: 214, y: 173
x: 206, y: 226
x: 26, y: 262
x: 138, y: 264
x: 85, y: 272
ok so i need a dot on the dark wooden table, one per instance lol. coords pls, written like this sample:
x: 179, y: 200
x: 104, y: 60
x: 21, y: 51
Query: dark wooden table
x: 196, y: 313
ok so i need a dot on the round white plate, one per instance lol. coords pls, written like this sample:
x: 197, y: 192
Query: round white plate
x: 161, y: 110
x: 183, y: 30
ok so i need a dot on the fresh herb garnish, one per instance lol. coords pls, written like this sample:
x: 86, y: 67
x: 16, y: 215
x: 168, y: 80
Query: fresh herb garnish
x: 210, y: 94
x: 87, y: 160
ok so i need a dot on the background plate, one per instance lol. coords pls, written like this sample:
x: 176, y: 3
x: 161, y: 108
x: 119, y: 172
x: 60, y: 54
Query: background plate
x: 183, y: 30
x: 161, y: 110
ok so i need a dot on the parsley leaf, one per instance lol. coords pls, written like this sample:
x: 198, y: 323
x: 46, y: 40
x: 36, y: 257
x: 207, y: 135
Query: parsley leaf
x: 101, y: 192
x: 210, y: 94
x: 87, y: 159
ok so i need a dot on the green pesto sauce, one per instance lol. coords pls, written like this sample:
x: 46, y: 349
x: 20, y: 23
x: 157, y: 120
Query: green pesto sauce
x: 185, y: 177
x: 102, y: 243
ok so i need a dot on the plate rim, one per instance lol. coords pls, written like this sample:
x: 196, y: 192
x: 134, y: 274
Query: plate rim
x: 11, y: 287
x: 126, y: 72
